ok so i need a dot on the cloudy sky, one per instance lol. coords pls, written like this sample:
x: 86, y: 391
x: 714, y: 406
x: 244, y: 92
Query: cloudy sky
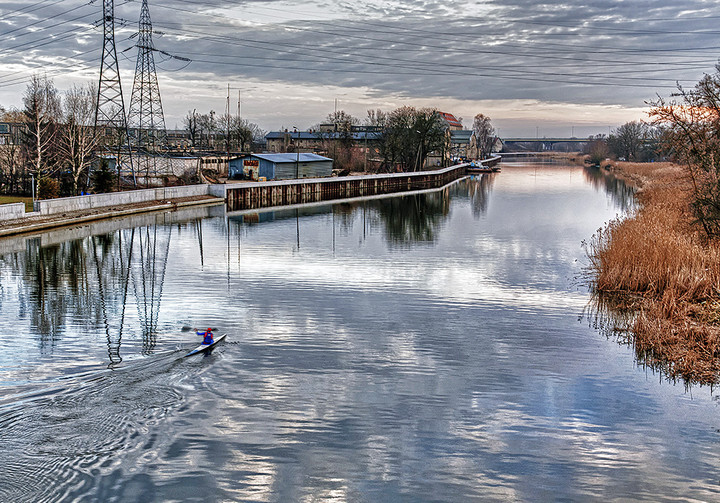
x: 536, y: 68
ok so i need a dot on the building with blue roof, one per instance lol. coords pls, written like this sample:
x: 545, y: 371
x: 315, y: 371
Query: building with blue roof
x: 280, y: 166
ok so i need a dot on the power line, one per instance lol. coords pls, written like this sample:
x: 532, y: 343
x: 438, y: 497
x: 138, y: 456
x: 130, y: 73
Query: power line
x: 24, y: 27
x: 28, y: 9
x: 345, y: 59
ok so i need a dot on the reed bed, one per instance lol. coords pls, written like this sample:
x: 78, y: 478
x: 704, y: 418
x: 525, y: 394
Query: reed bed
x: 658, y: 256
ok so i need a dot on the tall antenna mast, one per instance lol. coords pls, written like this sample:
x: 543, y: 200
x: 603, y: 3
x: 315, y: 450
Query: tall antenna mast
x: 145, y: 116
x: 110, y: 106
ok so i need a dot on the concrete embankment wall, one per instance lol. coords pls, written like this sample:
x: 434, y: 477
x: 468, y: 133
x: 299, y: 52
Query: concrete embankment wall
x: 12, y: 211
x: 89, y: 202
x: 286, y: 192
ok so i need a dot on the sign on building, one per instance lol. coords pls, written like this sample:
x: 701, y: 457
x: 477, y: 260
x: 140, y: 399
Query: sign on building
x: 251, y: 168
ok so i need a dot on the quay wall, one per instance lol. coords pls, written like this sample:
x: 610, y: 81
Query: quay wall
x: 253, y: 195
x: 309, y: 190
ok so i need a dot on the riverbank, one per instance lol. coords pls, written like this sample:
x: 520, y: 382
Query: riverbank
x: 39, y: 222
x: 657, y: 264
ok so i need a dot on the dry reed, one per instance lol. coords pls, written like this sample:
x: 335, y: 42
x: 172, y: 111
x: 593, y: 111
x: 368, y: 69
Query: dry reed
x: 659, y: 255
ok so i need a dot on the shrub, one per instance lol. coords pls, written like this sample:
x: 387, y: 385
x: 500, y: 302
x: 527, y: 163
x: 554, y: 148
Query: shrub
x: 48, y: 188
x: 103, y: 179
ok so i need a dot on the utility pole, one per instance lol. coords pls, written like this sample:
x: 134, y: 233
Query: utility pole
x: 227, y: 127
x: 110, y: 105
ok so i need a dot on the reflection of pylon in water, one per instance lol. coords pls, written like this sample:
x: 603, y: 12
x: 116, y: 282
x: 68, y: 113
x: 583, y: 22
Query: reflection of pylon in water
x: 148, y: 277
x: 113, y: 276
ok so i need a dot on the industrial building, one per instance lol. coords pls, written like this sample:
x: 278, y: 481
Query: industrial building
x: 280, y: 166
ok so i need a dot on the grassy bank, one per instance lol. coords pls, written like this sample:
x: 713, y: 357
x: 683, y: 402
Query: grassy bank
x: 17, y: 199
x: 658, y: 263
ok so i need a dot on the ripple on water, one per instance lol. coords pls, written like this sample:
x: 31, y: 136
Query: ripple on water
x: 54, y: 446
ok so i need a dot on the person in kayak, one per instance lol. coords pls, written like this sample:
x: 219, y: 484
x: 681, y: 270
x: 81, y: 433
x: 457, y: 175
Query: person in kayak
x: 208, y: 336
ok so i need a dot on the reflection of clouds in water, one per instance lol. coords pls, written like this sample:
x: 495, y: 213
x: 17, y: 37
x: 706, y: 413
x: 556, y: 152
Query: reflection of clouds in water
x: 452, y: 369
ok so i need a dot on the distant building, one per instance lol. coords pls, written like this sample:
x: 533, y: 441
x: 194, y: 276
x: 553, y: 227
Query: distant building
x: 322, y: 140
x: 11, y: 132
x: 460, y: 143
x: 281, y: 166
x: 452, y: 122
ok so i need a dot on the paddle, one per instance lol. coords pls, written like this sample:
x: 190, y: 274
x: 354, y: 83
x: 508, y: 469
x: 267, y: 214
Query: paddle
x: 203, y: 332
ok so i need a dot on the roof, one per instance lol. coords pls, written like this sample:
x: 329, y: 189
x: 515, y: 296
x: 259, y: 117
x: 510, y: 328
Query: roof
x: 291, y: 157
x: 451, y: 120
x: 303, y: 135
x: 316, y: 135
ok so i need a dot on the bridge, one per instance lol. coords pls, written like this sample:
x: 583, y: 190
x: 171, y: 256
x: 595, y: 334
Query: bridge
x: 543, y: 144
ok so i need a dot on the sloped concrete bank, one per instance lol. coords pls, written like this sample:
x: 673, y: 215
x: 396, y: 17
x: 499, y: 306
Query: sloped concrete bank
x: 33, y: 222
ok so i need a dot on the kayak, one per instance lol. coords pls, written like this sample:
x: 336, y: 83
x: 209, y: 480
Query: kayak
x: 206, y: 348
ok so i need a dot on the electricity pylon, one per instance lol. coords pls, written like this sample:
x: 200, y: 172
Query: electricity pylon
x: 110, y: 106
x: 145, y: 116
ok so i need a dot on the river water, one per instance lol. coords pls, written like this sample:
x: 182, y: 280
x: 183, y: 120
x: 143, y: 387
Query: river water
x: 432, y: 347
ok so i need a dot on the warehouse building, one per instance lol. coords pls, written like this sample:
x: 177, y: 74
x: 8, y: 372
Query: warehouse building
x: 280, y: 166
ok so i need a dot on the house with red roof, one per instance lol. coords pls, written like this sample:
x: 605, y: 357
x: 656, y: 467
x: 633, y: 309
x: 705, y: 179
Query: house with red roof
x: 452, y: 122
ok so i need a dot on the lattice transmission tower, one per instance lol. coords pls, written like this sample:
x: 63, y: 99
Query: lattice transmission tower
x: 110, y: 106
x: 145, y: 117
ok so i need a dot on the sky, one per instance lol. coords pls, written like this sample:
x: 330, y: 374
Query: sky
x: 551, y: 68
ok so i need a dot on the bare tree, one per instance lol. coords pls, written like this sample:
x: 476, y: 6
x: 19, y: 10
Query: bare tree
x: 207, y: 128
x: 238, y: 133
x: 691, y: 128
x: 192, y: 127
x: 78, y: 137
x: 627, y: 141
x: 484, y: 135
x: 42, y: 111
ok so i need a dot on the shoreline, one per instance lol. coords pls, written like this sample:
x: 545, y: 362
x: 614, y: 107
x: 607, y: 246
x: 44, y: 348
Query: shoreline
x: 35, y: 223
x: 657, y: 279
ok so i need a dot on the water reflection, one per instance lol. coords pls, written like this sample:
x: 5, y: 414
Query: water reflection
x: 71, y: 291
x: 404, y: 219
x: 622, y: 193
x: 422, y: 350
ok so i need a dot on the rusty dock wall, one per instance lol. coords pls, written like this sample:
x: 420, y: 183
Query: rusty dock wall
x: 248, y: 196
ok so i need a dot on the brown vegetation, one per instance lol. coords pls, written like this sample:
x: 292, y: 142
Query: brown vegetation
x: 666, y: 269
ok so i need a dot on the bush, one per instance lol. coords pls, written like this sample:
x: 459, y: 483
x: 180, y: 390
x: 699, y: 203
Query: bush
x: 103, y: 179
x: 48, y: 188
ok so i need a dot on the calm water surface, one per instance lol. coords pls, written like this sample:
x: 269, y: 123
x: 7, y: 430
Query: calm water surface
x: 431, y: 347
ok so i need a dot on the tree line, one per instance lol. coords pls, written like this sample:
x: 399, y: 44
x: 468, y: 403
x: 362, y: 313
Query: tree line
x: 404, y: 138
x: 684, y: 129
x: 634, y: 141
x: 53, y: 141
x: 55, y: 144
x: 226, y: 132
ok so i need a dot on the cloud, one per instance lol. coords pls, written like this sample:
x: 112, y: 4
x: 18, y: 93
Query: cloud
x: 610, y: 54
